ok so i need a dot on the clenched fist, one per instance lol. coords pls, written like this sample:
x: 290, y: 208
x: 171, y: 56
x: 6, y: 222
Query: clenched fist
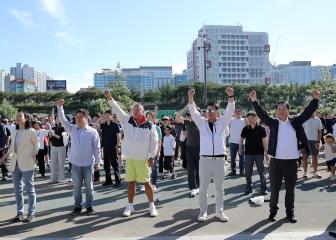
x: 107, y: 94
x: 253, y: 95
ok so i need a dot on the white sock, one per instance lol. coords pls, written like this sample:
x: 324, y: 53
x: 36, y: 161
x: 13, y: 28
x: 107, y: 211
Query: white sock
x: 151, y: 204
x: 130, y: 204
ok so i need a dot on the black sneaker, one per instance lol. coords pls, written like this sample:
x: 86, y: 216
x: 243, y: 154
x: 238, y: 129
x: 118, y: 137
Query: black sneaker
x: 90, y: 211
x: 29, y: 219
x: 264, y: 193
x: 107, y: 184
x: 76, y: 211
x: 232, y: 174
x: 18, y: 218
x: 248, y: 191
x: 271, y: 218
x: 291, y: 219
x: 117, y: 184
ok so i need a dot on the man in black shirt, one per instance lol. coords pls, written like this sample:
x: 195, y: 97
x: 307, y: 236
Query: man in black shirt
x: 4, y: 143
x: 255, y: 148
x: 110, y: 144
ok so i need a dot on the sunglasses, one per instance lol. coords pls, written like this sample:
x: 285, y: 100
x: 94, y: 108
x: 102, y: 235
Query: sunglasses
x: 211, y: 110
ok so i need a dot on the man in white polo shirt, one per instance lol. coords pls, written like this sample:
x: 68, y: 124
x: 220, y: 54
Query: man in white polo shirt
x: 212, y: 151
x: 313, y: 129
x: 236, y: 126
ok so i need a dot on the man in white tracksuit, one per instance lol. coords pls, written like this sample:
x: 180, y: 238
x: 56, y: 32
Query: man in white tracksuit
x: 212, y: 151
x: 139, y: 147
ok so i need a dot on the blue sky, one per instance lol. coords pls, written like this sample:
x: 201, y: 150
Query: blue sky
x: 71, y: 39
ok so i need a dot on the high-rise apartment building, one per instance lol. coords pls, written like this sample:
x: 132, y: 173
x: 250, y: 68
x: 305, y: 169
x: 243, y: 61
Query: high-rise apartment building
x: 234, y: 56
x: 31, y: 74
x: 2, y: 80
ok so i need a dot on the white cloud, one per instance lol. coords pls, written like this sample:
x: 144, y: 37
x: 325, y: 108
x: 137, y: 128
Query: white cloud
x: 55, y: 9
x: 65, y: 38
x: 23, y: 17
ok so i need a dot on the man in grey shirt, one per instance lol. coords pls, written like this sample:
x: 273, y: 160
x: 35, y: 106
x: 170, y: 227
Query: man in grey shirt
x: 84, y: 154
x: 192, y: 151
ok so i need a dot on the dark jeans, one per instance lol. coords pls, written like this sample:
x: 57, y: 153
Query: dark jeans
x: 40, y: 160
x: 192, y: 156
x: 259, y: 161
x: 169, y: 163
x: 110, y: 158
x: 4, y: 169
x: 234, y: 147
x: 161, y: 160
x: 283, y: 169
x: 183, y: 155
x: 154, y: 171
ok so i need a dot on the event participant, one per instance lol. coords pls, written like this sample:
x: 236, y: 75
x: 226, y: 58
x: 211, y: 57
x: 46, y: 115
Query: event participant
x: 192, y: 151
x: 237, y: 124
x: 57, y: 152
x: 287, y: 137
x: 313, y: 129
x: 212, y: 151
x: 84, y: 154
x: 21, y: 154
x: 255, y: 147
x: 111, y: 142
x: 139, y: 148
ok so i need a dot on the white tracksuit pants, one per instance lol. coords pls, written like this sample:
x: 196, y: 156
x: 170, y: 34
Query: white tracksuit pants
x: 57, y: 161
x: 211, y: 168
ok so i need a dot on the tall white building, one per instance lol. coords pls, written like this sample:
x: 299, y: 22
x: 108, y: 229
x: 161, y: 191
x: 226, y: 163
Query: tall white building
x: 235, y: 56
x: 296, y: 72
x: 2, y: 80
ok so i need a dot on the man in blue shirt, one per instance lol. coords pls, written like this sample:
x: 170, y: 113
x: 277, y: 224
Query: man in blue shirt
x: 84, y: 154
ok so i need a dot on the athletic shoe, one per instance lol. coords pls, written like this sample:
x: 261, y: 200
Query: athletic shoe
x: 129, y: 210
x: 221, y: 216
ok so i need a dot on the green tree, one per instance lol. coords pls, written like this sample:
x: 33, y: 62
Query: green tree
x: 7, y: 110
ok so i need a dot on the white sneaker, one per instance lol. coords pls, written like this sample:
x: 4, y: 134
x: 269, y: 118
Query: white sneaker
x: 193, y: 193
x: 316, y: 175
x: 142, y: 188
x: 202, y: 217
x: 197, y: 190
x: 332, y: 177
x: 152, y: 211
x: 305, y: 175
x: 154, y: 188
x: 129, y: 210
x: 221, y: 216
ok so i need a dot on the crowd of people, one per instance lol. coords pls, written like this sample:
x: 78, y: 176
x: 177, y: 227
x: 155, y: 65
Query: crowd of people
x: 147, y: 149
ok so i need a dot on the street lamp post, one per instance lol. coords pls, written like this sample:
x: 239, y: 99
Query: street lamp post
x: 206, y: 48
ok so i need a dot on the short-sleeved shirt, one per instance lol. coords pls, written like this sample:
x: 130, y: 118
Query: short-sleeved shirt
x: 109, y: 134
x: 158, y: 130
x: 193, y: 137
x: 253, y: 139
x: 57, y: 142
x: 311, y: 128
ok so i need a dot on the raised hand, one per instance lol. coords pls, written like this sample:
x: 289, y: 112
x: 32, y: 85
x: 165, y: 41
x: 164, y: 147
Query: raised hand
x: 229, y: 91
x: 191, y: 92
x: 253, y: 95
x: 107, y: 94
x: 316, y: 94
x: 60, y: 102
